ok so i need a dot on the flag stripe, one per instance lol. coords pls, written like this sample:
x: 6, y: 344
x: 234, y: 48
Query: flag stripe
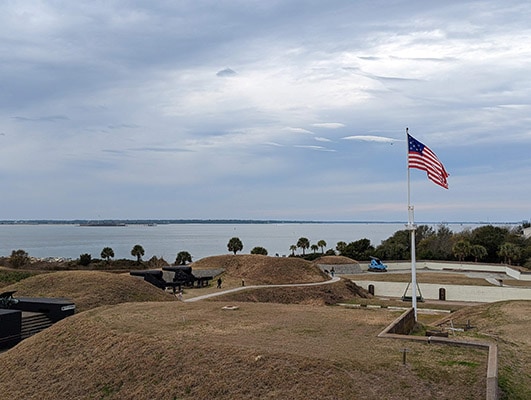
x: 421, y: 157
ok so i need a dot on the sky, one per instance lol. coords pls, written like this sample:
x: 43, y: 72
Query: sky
x: 268, y: 110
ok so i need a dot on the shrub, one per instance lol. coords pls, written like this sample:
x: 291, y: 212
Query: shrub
x: 85, y: 259
x: 19, y: 258
x: 259, y: 250
x: 155, y: 262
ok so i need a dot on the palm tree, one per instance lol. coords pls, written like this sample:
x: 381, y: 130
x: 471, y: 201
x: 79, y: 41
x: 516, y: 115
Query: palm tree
x: 292, y: 248
x: 509, y: 251
x: 478, y: 252
x: 138, y: 252
x: 340, y: 247
x: 322, y: 245
x: 461, y: 249
x: 107, y: 253
x: 303, y: 243
x: 314, y: 248
x: 183, y: 257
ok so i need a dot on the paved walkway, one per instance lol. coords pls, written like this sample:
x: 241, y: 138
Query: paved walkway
x: 237, y: 289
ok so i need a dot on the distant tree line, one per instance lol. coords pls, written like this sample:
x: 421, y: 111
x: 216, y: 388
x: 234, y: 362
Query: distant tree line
x: 490, y: 244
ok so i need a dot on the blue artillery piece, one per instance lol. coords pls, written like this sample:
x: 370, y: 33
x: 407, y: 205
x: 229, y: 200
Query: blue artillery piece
x: 377, y: 266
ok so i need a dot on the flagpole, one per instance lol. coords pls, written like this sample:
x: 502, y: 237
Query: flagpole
x: 411, y: 227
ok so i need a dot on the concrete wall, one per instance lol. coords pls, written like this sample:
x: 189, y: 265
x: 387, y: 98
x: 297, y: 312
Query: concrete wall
x: 465, y: 266
x: 397, y: 329
x: 403, y: 325
x: 486, y: 294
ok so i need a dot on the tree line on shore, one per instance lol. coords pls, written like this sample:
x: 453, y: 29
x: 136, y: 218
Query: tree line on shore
x: 491, y: 244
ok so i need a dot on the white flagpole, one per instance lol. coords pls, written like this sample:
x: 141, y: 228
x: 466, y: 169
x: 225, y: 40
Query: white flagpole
x: 411, y: 227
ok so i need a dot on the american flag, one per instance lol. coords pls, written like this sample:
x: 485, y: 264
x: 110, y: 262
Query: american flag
x: 421, y: 157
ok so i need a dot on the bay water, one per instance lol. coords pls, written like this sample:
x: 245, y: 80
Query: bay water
x: 199, y: 239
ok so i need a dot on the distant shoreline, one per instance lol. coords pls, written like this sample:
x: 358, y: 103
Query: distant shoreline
x: 122, y: 222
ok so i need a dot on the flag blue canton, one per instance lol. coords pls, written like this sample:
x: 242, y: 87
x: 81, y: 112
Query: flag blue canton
x: 421, y: 157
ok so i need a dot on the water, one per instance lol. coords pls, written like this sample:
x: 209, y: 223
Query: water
x: 200, y: 240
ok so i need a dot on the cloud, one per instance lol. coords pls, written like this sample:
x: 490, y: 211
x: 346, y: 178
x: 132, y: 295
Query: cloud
x: 123, y: 126
x: 317, y: 148
x: 46, y: 118
x: 297, y: 130
x: 132, y: 99
x: 329, y: 125
x: 161, y: 149
x: 369, y: 138
x: 226, y: 72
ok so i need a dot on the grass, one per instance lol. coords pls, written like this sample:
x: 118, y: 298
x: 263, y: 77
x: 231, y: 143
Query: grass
x: 259, y: 351
x: 506, y: 323
x: 8, y: 277
x: 130, y: 340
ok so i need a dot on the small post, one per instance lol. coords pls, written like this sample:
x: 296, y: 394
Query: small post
x: 404, y: 352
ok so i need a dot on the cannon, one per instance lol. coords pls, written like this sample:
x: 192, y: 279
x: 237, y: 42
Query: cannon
x: 377, y: 266
x: 7, y: 300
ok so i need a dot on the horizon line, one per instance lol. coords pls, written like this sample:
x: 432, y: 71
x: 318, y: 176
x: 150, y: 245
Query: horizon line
x: 139, y: 221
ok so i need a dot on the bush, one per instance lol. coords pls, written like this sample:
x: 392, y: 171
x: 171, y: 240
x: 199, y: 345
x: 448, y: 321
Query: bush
x: 19, y: 258
x: 155, y: 262
x: 85, y: 259
x: 259, y: 250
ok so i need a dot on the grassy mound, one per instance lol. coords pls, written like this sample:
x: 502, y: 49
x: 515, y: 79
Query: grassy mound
x: 335, y: 260
x: 176, y: 350
x: 261, y: 350
x: 89, y: 289
x: 264, y: 270
x: 334, y: 293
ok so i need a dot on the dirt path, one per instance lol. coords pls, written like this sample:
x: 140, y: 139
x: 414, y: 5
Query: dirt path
x: 237, y: 289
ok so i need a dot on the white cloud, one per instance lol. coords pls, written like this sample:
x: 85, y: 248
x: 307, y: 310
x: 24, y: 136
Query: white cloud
x: 297, y: 130
x: 329, y: 125
x: 318, y: 148
x: 130, y: 99
x: 369, y: 138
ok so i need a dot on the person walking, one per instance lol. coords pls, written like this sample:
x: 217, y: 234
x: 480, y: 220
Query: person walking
x: 219, y: 283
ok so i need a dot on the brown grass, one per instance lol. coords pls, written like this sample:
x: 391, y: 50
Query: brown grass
x: 156, y: 349
x: 89, y: 289
x: 264, y: 270
x: 506, y: 323
x: 335, y: 260
x: 335, y: 293
x: 200, y: 351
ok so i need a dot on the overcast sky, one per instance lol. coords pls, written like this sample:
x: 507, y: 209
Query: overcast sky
x: 276, y: 109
